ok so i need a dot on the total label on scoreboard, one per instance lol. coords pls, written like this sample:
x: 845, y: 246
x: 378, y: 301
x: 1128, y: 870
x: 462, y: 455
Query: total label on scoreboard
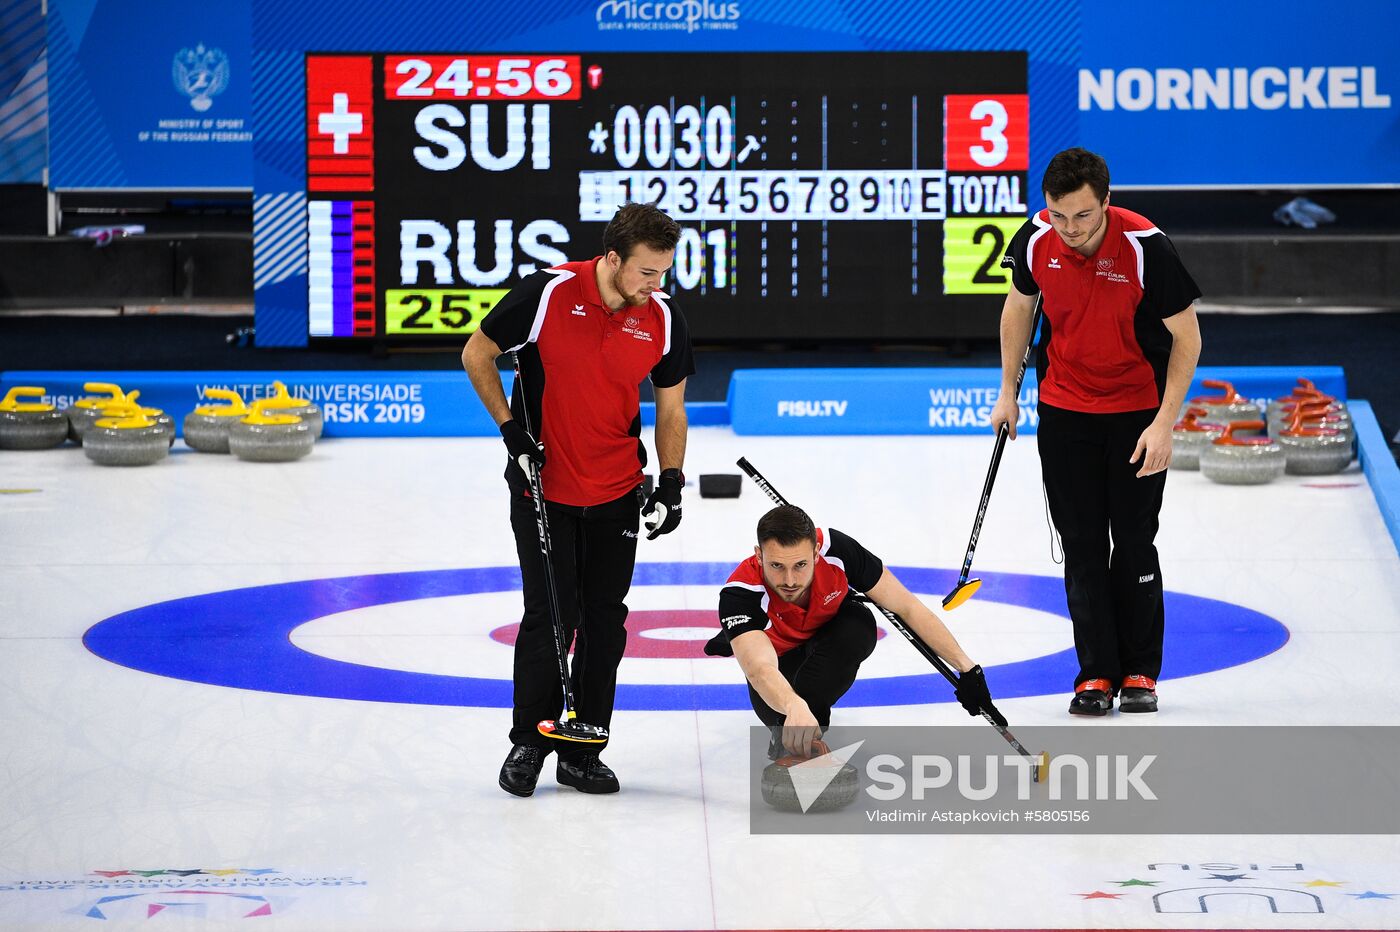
x: 808, y: 186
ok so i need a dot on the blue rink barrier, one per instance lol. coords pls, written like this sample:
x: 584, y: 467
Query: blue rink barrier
x: 354, y: 404
x: 939, y: 401
x: 1379, y: 466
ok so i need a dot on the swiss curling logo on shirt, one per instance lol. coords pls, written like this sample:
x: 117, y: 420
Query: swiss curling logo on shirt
x: 1105, y: 270
x: 630, y: 326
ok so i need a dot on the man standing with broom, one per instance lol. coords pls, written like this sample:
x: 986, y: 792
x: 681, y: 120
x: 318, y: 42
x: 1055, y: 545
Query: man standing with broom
x: 584, y: 335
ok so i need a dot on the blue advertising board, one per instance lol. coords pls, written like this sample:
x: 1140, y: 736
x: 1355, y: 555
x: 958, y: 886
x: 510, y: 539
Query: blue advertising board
x: 1253, y: 94
x: 155, y: 94
x: 790, y: 402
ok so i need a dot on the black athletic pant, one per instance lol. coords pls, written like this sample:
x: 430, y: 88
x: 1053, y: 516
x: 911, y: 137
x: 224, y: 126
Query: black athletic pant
x: 824, y: 667
x: 594, y: 550
x: 1107, y: 518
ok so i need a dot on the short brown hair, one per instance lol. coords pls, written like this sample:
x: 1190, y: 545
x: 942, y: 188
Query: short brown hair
x: 640, y: 223
x: 788, y: 525
x: 1071, y: 170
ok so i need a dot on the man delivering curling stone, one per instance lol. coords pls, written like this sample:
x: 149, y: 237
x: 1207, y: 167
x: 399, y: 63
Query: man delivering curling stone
x: 786, y: 616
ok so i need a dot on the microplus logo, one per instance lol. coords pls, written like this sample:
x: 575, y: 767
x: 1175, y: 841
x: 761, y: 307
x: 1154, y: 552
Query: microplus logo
x: 676, y: 15
x: 1339, y: 87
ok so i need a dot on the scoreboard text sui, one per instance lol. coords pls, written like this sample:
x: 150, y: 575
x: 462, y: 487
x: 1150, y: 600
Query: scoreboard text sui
x: 819, y: 194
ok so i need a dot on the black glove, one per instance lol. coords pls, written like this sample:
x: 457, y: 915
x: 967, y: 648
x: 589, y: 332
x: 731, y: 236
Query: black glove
x: 521, y: 445
x: 662, y: 512
x: 972, y: 693
x: 719, y: 646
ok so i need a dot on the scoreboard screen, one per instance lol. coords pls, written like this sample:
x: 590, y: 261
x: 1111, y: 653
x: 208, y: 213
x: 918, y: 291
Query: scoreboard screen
x: 819, y: 195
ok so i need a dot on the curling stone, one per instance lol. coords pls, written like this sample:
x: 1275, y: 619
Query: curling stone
x: 832, y: 791
x: 648, y: 486
x: 1232, y: 460
x: 270, y: 438
x: 1317, y: 411
x: 1313, y: 451
x: 721, y: 485
x: 131, y: 440
x: 207, y: 427
x: 130, y: 407
x: 1190, y: 436
x: 1226, y: 407
x: 282, y: 402
x: 87, y: 409
x: 1303, y: 390
x: 30, y: 425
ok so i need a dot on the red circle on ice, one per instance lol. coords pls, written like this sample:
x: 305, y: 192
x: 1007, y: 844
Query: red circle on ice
x: 671, y: 634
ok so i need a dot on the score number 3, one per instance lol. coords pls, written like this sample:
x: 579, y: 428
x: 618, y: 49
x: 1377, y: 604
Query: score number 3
x: 986, y: 131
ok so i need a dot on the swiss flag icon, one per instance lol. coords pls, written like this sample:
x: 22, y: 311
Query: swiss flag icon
x: 339, y: 123
x: 986, y: 132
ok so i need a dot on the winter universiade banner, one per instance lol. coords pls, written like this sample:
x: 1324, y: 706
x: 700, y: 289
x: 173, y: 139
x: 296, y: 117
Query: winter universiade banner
x: 440, y: 403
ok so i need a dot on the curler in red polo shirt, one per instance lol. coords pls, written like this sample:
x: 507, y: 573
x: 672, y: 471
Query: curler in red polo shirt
x: 581, y: 366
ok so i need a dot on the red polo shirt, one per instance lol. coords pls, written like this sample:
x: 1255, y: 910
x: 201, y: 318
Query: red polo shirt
x: 1103, y: 347
x: 581, y: 365
x: 746, y: 603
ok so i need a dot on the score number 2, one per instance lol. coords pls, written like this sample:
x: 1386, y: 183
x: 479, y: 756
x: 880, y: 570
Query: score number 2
x: 972, y: 251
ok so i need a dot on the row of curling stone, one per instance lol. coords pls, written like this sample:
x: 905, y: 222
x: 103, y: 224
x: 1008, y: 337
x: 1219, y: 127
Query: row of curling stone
x: 115, y: 430
x: 278, y: 428
x: 1317, y: 408
x: 38, y: 425
x: 1309, y: 434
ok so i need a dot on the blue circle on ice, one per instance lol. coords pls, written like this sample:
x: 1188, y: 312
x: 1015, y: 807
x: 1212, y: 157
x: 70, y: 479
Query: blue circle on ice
x: 241, y: 638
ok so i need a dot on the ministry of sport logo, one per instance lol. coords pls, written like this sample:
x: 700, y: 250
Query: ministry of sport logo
x: 668, y: 15
x: 200, y: 74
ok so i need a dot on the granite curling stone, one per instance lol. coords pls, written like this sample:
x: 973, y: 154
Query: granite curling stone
x: 821, y: 789
x: 130, y: 407
x: 1318, y: 411
x: 1190, y: 436
x: 30, y: 425
x: 1226, y: 407
x: 262, y: 437
x: 207, y: 427
x: 1313, y: 451
x: 282, y: 402
x: 1304, y: 390
x: 1232, y: 460
x: 87, y: 409
x: 132, y: 440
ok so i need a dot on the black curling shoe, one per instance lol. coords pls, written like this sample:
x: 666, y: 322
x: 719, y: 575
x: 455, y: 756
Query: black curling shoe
x: 521, y: 771
x: 587, y: 774
x: 1092, y: 697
